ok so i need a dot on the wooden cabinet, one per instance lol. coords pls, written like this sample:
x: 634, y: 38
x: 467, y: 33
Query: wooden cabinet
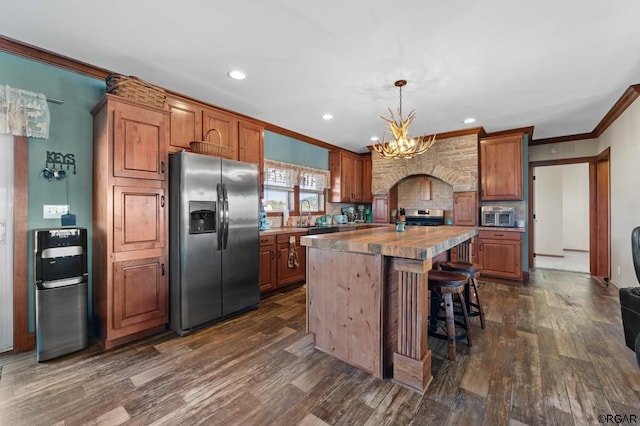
x: 139, y: 143
x: 226, y: 124
x: 288, y: 275
x: 348, y: 177
x: 465, y: 208
x: 380, y: 209
x: 500, y: 253
x: 501, y: 168
x: 367, y: 178
x: 192, y: 121
x: 251, y: 147
x: 139, y: 294
x: 274, y: 261
x: 130, y: 270
x: 185, y: 125
x: 268, y: 265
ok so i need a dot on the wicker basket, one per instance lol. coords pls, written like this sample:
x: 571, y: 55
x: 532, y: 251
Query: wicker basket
x: 136, y: 89
x: 209, y: 148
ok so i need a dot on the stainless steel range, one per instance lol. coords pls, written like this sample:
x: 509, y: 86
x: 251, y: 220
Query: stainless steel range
x: 428, y: 217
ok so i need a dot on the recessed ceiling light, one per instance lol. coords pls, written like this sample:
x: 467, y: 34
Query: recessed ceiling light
x: 469, y: 120
x: 327, y: 116
x: 237, y: 75
x: 375, y: 138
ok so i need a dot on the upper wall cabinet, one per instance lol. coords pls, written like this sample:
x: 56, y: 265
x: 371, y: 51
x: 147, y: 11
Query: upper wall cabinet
x: 192, y: 121
x: 349, y: 175
x: 226, y: 124
x: 185, y: 125
x: 501, y: 167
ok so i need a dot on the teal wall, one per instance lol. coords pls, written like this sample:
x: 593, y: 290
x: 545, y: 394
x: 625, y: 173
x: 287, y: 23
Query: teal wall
x: 289, y: 150
x: 70, y: 132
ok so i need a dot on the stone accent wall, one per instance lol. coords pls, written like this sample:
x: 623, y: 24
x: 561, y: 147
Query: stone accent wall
x: 409, y: 195
x: 453, y: 160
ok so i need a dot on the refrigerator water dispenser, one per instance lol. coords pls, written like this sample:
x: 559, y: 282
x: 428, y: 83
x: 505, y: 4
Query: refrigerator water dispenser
x: 202, y: 217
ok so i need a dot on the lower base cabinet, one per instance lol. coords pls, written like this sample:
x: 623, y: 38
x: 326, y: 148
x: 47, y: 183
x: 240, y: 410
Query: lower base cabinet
x: 275, y: 268
x: 268, y: 277
x: 500, y: 254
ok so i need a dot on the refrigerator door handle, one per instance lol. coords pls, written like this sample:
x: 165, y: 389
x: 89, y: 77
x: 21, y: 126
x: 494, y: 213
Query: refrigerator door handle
x: 220, y: 212
x: 226, y: 215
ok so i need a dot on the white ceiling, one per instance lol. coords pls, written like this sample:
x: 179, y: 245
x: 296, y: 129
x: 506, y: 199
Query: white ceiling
x: 556, y: 65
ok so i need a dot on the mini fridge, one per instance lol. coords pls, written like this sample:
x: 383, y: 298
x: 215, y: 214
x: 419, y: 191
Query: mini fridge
x: 61, y: 279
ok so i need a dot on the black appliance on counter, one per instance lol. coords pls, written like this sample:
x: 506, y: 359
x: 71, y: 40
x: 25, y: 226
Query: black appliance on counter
x: 61, y: 280
x: 429, y: 217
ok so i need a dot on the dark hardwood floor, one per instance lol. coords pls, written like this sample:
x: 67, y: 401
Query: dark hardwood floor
x: 553, y: 352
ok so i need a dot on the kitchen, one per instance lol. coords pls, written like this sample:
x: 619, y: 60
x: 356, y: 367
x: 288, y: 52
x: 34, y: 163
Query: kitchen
x: 79, y: 195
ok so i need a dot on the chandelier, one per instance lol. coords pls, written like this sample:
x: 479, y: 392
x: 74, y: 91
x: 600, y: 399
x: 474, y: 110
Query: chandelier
x: 401, y: 146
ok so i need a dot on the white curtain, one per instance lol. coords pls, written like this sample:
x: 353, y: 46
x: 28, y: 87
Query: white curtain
x: 23, y: 113
x: 290, y: 175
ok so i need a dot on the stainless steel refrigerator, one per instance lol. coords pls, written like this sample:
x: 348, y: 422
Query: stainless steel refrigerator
x: 213, y: 239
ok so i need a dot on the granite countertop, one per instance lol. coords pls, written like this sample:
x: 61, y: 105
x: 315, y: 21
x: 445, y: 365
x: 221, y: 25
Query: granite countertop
x: 342, y: 226
x: 417, y: 242
x: 275, y: 231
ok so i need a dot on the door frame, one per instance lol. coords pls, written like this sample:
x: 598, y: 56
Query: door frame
x: 22, y: 339
x: 601, y: 238
x: 593, y: 241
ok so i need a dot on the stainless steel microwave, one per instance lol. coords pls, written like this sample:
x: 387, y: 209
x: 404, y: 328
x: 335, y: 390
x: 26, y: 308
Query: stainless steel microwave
x: 497, y: 216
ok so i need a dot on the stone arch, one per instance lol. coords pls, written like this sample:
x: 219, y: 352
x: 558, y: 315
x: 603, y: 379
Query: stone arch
x: 453, y: 160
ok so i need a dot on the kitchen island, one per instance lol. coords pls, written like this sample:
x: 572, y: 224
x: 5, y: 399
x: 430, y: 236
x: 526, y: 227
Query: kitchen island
x: 367, y: 297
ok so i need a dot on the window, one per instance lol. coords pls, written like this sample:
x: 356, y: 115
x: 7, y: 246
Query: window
x: 287, y: 185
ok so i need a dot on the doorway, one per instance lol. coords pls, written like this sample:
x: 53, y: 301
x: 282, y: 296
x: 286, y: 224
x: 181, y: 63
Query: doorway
x: 561, y: 217
x: 598, y: 211
x: 6, y: 242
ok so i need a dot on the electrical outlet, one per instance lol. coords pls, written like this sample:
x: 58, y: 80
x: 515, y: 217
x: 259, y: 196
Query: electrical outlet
x: 618, y: 270
x: 50, y: 211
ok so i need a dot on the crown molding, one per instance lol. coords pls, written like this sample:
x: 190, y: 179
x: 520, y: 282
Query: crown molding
x: 627, y: 98
x: 41, y: 55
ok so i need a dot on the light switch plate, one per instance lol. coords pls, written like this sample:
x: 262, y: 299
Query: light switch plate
x: 53, y: 211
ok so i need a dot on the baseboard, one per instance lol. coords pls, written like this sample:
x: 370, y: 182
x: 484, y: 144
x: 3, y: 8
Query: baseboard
x: 548, y: 255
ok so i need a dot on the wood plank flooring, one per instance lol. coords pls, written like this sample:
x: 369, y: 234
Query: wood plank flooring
x: 552, y: 353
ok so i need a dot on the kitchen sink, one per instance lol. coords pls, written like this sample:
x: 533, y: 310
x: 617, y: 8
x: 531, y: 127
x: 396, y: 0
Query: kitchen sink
x: 315, y: 230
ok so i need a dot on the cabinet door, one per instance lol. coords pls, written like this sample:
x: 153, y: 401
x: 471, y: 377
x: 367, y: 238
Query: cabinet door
x: 268, y: 267
x: 139, y: 294
x: 501, y: 168
x: 251, y: 147
x: 367, y: 196
x: 185, y: 124
x: 139, y: 143
x: 347, y: 174
x: 501, y: 258
x: 380, y: 209
x: 138, y: 218
x: 288, y: 275
x: 465, y: 208
x: 226, y: 124
x: 357, y: 179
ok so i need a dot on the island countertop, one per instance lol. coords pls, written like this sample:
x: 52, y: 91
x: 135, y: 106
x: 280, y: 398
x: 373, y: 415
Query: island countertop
x: 417, y: 242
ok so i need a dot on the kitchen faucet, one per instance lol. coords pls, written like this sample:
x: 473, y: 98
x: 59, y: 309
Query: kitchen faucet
x: 309, y: 212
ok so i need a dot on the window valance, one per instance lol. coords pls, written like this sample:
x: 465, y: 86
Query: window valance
x: 23, y: 113
x: 289, y: 175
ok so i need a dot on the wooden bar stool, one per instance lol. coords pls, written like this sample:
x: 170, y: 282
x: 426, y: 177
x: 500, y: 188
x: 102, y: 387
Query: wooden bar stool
x: 471, y: 270
x: 443, y: 285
